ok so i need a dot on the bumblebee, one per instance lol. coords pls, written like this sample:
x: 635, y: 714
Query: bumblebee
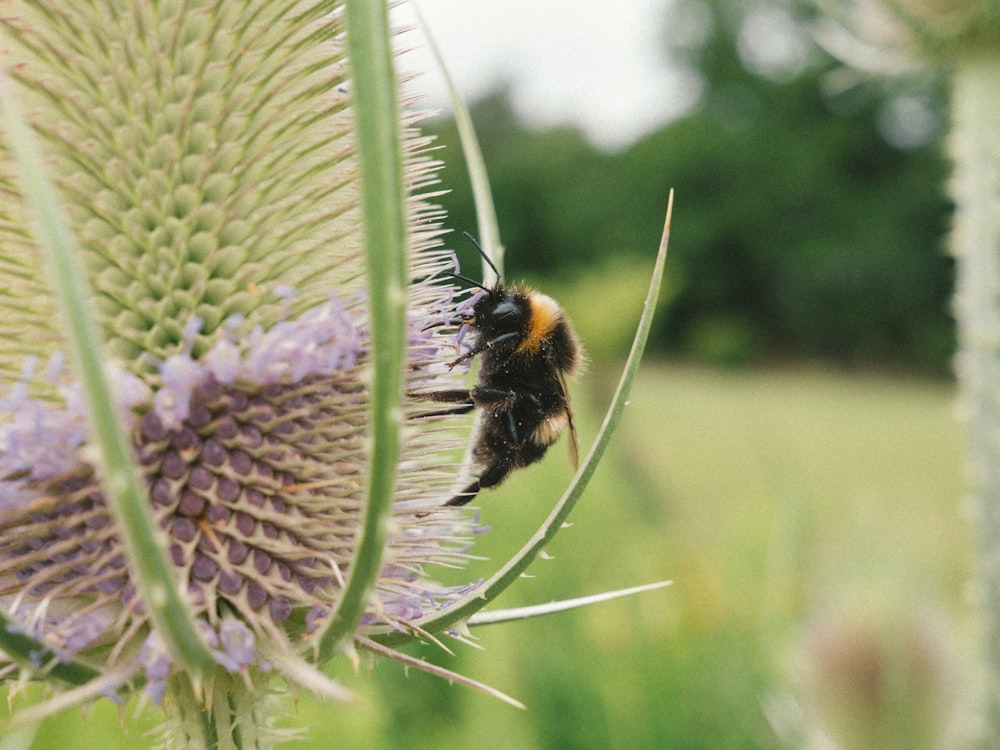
x: 527, y: 350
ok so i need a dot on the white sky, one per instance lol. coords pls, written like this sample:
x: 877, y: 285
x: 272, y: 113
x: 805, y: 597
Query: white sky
x: 600, y: 65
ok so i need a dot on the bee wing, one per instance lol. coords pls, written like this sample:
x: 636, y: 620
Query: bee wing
x: 574, y: 441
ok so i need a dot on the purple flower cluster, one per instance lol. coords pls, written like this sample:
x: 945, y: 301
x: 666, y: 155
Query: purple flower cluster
x: 254, y: 458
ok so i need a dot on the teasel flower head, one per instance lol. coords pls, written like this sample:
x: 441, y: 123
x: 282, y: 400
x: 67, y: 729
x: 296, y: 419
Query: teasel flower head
x: 207, y: 164
x: 907, y: 39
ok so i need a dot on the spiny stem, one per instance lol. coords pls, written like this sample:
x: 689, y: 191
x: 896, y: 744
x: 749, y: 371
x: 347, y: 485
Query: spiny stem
x: 975, y: 151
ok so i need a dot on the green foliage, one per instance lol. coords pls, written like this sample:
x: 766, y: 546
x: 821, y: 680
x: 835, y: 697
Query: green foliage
x: 800, y: 230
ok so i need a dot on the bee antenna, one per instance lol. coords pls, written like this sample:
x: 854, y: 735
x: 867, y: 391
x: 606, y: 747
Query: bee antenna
x: 482, y: 252
x: 470, y: 281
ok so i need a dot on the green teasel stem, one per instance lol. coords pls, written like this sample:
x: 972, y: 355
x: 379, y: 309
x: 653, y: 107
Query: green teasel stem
x: 975, y: 186
x: 377, y: 118
x: 30, y: 653
x: 192, y: 727
x: 234, y: 714
x: 126, y: 497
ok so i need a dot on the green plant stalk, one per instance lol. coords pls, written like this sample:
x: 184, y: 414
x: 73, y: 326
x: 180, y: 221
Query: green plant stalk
x: 27, y: 652
x: 127, y: 499
x: 974, y: 147
x: 496, y: 616
x: 192, y: 726
x: 376, y: 108
x: 486, y: 215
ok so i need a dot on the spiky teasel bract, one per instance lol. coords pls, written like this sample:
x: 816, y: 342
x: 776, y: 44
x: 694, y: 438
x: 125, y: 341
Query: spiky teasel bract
x: 205, y: 158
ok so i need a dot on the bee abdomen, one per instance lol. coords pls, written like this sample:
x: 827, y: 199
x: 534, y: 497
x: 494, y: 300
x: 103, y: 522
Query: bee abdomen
x: 550, y: 428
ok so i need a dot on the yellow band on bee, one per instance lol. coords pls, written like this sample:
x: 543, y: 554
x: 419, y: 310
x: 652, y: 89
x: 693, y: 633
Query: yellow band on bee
x: 545, y: 314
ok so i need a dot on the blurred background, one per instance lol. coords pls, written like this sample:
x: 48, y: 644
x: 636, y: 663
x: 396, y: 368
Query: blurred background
x: 791, y: 458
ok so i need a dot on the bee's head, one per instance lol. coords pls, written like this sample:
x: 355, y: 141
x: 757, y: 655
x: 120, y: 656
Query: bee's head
x: 499, y: 311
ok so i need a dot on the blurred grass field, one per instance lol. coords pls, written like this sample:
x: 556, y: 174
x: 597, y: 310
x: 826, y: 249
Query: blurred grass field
x: 781, y: 503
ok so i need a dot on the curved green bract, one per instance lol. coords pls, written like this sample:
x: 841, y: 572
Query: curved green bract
x: 35, y: 656
x: 512, y: 570
x: 496, y: 616
x: 486, y: 215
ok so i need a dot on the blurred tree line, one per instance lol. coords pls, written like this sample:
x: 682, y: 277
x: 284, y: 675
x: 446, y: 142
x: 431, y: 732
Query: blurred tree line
x: 809, y: 222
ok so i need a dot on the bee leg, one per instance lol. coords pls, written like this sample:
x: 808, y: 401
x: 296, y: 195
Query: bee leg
x: 496, y: 473
x: 444, y: 412
x: 503, y: 337
x: 492, y: 476
x: 480, y: 348
x: 467, y: 356
x: 512, y: 429
x: 465, y: 495
x: 462, y: 400
x: 456, y: 395
x: 483, y: 395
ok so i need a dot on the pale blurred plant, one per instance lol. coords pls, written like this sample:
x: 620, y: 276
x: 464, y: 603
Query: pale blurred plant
x: 224, y: 487
x: 959, y: 39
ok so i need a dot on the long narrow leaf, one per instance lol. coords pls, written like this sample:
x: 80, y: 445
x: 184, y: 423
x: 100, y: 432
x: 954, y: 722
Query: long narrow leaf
x: 537, y: 610
x: 376, y: 107
x: 73, y: 698
x: 423, y: 666
x: 38, y: 657
x: 126, y: 497
x: 503, y: 578
x: 486, y: 215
